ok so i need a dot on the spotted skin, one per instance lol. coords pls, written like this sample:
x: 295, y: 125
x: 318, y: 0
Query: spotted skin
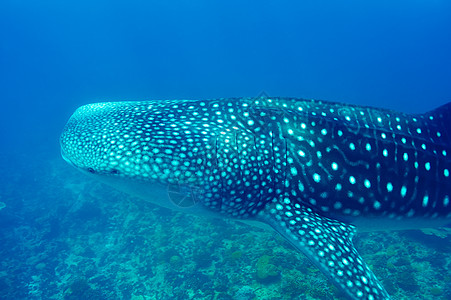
x: 312, y: 170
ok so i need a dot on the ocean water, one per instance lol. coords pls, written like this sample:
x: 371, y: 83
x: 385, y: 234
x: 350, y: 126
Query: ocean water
x: 65, y: 236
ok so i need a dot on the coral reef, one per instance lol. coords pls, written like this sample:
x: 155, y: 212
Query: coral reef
x: 265, y: 271
x: 77, y: 239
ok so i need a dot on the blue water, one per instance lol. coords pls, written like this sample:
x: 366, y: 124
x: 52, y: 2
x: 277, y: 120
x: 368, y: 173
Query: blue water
x: 60, y: 231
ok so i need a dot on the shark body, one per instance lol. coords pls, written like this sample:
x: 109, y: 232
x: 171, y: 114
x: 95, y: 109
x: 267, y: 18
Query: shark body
x: 312, y: 170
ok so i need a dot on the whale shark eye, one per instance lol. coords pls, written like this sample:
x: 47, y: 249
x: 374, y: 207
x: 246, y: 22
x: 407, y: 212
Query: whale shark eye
x: 91, y: 170
x: 114, y: 171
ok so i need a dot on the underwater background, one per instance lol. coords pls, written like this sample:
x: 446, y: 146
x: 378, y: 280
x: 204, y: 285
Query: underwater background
x: 65, y: 236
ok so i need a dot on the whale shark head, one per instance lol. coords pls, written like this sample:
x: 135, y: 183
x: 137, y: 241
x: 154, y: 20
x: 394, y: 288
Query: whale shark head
x: 180, y: 145
x: 141, y: 147
x: 148, y: 141
x: 312, y: 170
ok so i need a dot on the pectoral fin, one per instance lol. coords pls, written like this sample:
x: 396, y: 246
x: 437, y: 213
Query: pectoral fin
x: 328, y: 244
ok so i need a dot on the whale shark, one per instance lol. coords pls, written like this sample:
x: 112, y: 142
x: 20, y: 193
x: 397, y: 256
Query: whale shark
x: 314, y: 171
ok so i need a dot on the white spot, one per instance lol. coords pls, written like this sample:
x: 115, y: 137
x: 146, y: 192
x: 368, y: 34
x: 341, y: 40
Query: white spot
x: 427, y: 166
x: 385, y: 152
x: 316, y: 177
x: 389, y: 187
x: 250, y: 122
x: 403, y: 191
x: 294, y: 171
x: 324, y: 132
x: 301, y: 153
x: 367, y: 183
x: 384, y: 136
x: 352, y: 179
x: 301, y: 186
x: 368, y: 147
x: 405, y: 157
x: 340, y: 133
x: 351, y: 146
x: 334, y: 166
x: 425, y: 200
x: 377, y: 205
x: 419, y: 130
x: 446, y: 172
x: 446, y: 200
x: 279, y: 207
